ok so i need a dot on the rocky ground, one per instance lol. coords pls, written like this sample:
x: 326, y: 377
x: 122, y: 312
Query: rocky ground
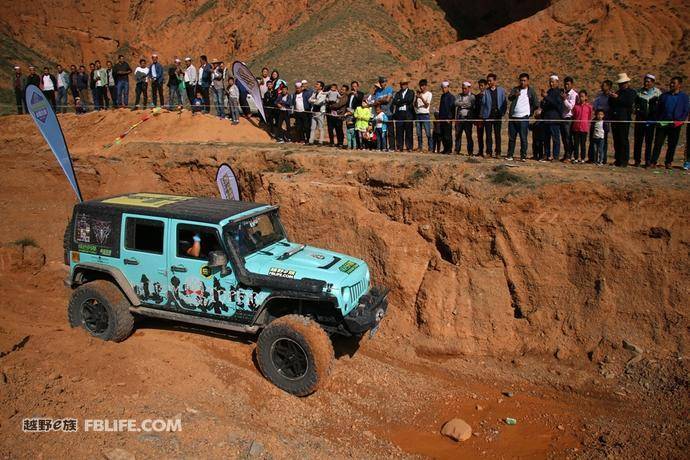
x: 555, y: 295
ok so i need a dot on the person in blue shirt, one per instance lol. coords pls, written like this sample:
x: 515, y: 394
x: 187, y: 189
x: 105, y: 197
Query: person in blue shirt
x: 672, y: 111
x: 383, y: 97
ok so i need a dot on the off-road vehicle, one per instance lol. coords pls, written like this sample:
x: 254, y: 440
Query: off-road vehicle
x: 222, y: 264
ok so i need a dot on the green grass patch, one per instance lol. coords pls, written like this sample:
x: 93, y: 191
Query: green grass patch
x: 503, y: 176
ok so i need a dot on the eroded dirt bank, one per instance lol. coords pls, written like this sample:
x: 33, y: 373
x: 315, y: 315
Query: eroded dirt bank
x: 530, y: 278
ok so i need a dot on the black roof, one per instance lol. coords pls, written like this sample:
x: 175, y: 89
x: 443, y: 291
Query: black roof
x: 201, y: 209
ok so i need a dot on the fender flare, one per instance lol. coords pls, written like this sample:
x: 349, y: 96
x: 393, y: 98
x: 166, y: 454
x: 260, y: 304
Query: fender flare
x: 118, y: 277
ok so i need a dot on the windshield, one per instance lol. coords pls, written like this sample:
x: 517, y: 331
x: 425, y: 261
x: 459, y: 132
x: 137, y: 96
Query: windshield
x: 256, y: 233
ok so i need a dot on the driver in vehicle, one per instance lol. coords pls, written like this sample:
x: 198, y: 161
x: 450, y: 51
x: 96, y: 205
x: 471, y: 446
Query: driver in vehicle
x: 195, y: 249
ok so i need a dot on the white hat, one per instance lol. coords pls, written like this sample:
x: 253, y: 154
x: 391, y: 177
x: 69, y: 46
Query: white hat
x: 623, y: 78
x: 304, y: 82
x: 177, y: 60
x: 445, y: 84
x: 16, y: 67
x: 466, y: 84
x: 650, y: 76
x: 154, y: 55
x: 187, y: 58
x: 298, y: 84
x: 553, y: 77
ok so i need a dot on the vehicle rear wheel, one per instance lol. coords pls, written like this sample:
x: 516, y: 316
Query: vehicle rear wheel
x: 101, y: 308
x: 295, y: 354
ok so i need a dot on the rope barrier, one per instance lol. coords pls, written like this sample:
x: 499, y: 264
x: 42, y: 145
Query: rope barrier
x: 390, y: 120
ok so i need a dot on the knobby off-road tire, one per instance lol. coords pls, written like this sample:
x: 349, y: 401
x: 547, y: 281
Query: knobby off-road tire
x: 100, y: 307
x: 287, y: 337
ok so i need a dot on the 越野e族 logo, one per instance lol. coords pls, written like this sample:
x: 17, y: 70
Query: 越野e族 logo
x: 39, y: 107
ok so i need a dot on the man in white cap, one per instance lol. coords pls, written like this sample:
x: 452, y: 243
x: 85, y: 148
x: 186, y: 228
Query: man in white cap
x: 622, y: 104
x: 18, y: 83
x: 464, y: 110
x: 552, y: 111
x: 446, y: 112
x: 645, y: 113
x: 189, y: 79
x: 157, y: 77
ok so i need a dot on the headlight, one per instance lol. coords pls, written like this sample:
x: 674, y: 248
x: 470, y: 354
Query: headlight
x: 346, y: 294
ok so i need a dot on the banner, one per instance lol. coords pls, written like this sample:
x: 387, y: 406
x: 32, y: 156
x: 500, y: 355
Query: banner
x: 44, y: 117
x: 246, y: 78
x: 227, y: 183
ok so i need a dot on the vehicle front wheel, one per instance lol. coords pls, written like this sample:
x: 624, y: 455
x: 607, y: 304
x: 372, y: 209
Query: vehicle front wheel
x: 101, y: 308
x: 295, y: 354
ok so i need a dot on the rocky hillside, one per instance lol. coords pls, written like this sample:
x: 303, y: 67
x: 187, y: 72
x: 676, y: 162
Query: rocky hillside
x: 332, y: 40
x: 588, y: 39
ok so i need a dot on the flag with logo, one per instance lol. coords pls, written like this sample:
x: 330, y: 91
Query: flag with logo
x: 44, y: 116
x: 227, y: 183
x: 246, y: 78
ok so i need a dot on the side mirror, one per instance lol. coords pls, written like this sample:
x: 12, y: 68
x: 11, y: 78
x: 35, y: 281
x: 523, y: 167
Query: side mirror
x: 218, y: 259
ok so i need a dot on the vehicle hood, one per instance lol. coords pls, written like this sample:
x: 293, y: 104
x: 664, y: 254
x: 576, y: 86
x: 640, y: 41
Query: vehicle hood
x: 311, y: 262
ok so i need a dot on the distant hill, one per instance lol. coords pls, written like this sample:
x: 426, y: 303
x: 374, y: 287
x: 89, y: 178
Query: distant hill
x: 337, y: 41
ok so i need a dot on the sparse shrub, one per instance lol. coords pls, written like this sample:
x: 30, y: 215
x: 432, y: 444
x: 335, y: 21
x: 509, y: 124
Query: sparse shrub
x: 503, y: 176
x: 26, y: 241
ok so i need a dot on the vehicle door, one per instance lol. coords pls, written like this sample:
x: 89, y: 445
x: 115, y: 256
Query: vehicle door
x: 194, y: 286
x: 143, y: 257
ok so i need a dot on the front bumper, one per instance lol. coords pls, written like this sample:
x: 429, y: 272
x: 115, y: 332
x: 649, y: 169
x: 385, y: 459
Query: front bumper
x: 370, y: 311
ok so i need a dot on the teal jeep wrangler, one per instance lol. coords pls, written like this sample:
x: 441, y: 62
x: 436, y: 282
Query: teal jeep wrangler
x: 222, y: 264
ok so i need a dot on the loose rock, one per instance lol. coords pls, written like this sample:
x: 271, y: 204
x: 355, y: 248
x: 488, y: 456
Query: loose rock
x: 256, y: 449
x: 118, y: 454
x: 457, y: 429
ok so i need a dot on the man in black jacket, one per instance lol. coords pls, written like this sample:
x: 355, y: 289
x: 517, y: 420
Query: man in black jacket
x: 33, y: 78
x: 480, y: 124
x: 622, y: 103
x: 269, y: 107
x: 355, y: 98
x: 446, y: 111
x: 552, y: 111
x: 645, y: 110
x: 404, y: 114
x: 19, y: 83
x: 523, y: 103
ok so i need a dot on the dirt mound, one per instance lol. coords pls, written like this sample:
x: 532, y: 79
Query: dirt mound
x: 566, y: 285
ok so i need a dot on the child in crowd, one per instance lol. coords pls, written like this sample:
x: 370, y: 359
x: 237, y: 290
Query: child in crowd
x: 582, y: 117
x: 369, y: 137
x: 332, y: 94
x: 436, y: 133
x: 79, y: 106
x: 597, y: 140
x: 362, y: 117
x: 381, y: 129
x: 350, y: 130
x: 538, y: 134
x: 234, y: 101
x: 197, y: 103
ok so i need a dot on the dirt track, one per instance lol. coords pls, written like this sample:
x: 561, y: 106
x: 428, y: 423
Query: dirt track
x: 527, y: 287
